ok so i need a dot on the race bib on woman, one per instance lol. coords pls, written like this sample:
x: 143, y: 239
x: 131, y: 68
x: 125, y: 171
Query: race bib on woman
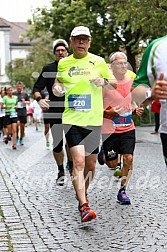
x: 124, y: 119
x: 12, y: 114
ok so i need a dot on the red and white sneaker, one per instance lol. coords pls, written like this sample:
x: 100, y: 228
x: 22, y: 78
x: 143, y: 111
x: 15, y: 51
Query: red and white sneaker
x: 14, y: 147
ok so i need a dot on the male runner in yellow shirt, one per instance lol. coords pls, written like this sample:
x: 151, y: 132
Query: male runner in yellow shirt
x: 82, y: 75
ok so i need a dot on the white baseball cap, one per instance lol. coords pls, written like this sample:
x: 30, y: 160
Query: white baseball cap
x: 59, y: 42
x: 80, y: 30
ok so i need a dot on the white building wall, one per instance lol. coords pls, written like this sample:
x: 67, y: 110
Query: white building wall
x: 4, y: 54
x: 19, y: 53
x: 9, y: 51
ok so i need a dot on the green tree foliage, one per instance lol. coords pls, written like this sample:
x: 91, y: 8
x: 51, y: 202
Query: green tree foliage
x: 114, y: 24
x: 65, y: 15
x: 18, y: 70
x: 27, y: 70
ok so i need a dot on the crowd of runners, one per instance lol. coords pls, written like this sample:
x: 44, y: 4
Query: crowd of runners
x: 88, y: 100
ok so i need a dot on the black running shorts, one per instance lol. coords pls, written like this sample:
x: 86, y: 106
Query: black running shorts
x: 118, y: 143
x: 10, y: 121
x: 88, y: 136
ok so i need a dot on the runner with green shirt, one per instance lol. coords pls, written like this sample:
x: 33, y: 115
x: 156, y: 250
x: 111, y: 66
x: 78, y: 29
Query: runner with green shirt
x: 81, y: 76
x: 9, y: 103
x: 153, y: 73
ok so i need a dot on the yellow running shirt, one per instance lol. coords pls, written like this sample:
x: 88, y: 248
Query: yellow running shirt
x: 131, y: 74
x: 83, y: 100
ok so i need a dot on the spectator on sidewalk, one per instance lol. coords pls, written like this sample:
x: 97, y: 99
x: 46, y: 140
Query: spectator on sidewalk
x: 155, y: 108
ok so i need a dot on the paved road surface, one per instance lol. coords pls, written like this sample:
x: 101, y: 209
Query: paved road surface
x: 36, y: 215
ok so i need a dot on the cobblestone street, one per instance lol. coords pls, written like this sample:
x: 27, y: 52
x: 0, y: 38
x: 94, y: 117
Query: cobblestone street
x: 37, y: 215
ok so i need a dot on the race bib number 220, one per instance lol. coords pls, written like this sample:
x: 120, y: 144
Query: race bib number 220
x: 80, y: 102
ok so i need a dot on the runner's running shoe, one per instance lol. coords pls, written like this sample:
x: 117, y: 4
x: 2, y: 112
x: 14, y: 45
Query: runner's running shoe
x: 14, y: 147
x: 87, y: 201
x: 86, y: 213
x: 21, y: 141
x: 122, y: 198
x: 60, y: 178
x: 6, y: 140
x: 100, y: 156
